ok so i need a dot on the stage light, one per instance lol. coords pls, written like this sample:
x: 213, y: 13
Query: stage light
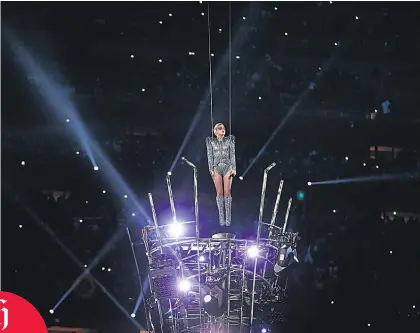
x: 169, y: 173
x: 77, y: 152
x: 357, y: 17
x: 253, y: 251
x: 103, y: 191
x: 96, y: 168
x: 52, y: 311
x: 201, y: 258
x: 300, y: 195
x: 275, y: 8
x: 364, y: 164
x: 125, y: 196
x: 260, y: 98
x: 85, y: 266
x: 368, y: 324
x: 175, y: 229
x: 133, y: 315
x: 212, y: 54
x: 285, y: 33
x: 346, y: 158
x: 414, y: 306
x: 207, y: 298
x: 220, y: 30
x: 390, y: 252
x: 170, y: 14
x: 309, y: 183
x: 241, y: 178
x: 395, y: 213
x: 80, y: 220
x: 238, y: 57
x: 244, y: 18
x: 160, y: 22
x: 132, y: 56
x: 22, y: 163
x: 335, y: 44
x: 103, y: 268
x: 109, y: 269
x: 184, y: 285
x: 67, y: 120
x: 377, y: 167
x: 20, y: 226
x: 332, y: 302
x: 202, y: 14
x: 264, y: 330
x: 160, y: 60
x: 133, y: 214
x: 86, y: 202
x: 143, y: 90
x: 334, y: 211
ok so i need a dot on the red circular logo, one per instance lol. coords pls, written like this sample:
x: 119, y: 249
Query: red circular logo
x: 17, y: 315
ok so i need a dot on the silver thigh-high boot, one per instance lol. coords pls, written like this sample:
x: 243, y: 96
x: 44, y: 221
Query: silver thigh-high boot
x: 228, y: 207
x: 220, y: 207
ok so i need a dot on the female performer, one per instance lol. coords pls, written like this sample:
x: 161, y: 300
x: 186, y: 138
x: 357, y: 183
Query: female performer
x: 222, y: 167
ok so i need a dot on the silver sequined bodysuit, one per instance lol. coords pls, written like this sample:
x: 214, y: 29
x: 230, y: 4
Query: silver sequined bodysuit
x: 221, y: 154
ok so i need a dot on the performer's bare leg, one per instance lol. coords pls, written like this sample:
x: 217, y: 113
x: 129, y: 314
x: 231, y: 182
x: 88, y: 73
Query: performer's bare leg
x: 218, y: 183
x: 227, y: 185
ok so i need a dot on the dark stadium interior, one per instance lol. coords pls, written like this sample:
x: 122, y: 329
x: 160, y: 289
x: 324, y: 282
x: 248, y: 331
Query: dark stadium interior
x: 327, y: 90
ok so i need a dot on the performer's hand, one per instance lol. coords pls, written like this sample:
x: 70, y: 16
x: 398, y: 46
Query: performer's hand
x: 232, y: 173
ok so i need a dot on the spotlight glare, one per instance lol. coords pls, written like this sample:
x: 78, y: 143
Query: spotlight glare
x: 207, y: 298
x: 22, y: 163
x: 96, y: 168
x: 67, y: 120
x: 103, y: 191
x: 241, y: 178
x: 175, y: 229
x: 133, y: 315
x: 77, y: 152
x: 253, y: 251
x: 133, y: 214
x: 169, y: 173
x: 125, y: 196
x: 264, y: 330
x: 309, y: 183
x: 184, y: 285
x: 52, y: 311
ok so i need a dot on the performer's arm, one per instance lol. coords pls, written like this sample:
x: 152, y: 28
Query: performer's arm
x: 210, y: 155
x: 232, y: 153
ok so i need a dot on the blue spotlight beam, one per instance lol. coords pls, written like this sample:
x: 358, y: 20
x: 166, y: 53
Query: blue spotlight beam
x: 70, y: 254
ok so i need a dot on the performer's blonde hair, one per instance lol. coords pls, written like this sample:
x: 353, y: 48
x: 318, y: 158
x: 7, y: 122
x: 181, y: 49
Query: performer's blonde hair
x: 215, y: 127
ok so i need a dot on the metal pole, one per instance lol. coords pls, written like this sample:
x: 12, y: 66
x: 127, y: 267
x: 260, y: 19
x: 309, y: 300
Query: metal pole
x: 197, y: 229
x: 263, y: 189
x: 171, y: 196
x: 286, y: 218
x: 260, y: 217
x: 273, y: 218
x: 197, y: 232
x: 140, y: 279
x: 152, y: 206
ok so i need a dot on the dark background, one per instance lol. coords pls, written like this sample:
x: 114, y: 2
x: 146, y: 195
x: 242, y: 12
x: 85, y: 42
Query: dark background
x: 289, y: 71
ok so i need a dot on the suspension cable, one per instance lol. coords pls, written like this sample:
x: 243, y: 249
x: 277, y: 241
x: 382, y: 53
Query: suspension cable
x: 210, y: 69
x: 230, y: 68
